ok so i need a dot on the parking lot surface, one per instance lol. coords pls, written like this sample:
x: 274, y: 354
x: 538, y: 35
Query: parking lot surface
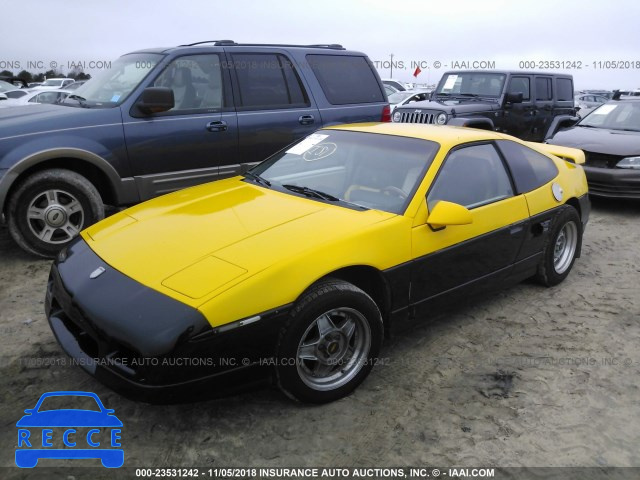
x: 529, y: 376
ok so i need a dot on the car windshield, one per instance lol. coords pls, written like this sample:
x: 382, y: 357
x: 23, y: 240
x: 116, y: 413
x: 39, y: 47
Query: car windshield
x: 472, y: 84
x: 618, y: 115
x: 66, y: 402
x: 399, y: 96
x: 6, y: 86
x: 352, y: 169
x: 112, y: 86
x: 52, y: 82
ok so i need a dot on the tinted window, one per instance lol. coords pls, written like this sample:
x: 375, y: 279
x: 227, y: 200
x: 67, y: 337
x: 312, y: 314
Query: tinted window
x: 616, y: 116
x: 543, y: 89
x: 565, y: 89
x: 267, y: 81
x: 520, y: 85
x: 16, y: 93
x: 475, y: 83
x: 471, y: 176
x: 529, y: 168
x: 346, y: 79
x: 196, y: 81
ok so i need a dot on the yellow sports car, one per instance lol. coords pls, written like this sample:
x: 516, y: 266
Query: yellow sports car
x: 295, y: 270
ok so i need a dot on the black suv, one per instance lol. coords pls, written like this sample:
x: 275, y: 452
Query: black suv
x: 163, y: 119
x: 523, y: 104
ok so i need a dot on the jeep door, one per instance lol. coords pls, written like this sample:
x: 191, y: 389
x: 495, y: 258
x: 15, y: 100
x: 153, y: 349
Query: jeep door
x: 519, y: 117
x: 545, y: 111
x: 274, y: 106
x: 185, y: 145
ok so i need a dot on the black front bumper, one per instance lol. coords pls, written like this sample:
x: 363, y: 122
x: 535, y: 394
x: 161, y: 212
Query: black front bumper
x: 146, y: 345
x: 613, y: 182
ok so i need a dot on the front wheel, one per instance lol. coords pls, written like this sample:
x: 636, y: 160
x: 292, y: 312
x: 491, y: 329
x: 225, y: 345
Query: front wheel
x: 50, y: 208
x: 328, y: 346
x: 561, y: 248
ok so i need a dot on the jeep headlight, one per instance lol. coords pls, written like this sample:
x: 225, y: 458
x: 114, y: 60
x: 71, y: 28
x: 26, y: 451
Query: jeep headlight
x: 441, y: 119
x: 397, y: 116
x: 629, y: 162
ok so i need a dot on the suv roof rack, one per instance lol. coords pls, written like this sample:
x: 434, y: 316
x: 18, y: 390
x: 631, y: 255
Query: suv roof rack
x: 217, y: 43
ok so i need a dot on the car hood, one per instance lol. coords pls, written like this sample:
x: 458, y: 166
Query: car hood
x: 599, y: 140
x: 69, y: 418
x: 195, y: 242
x: 449, y: 106
x: 45, y: 118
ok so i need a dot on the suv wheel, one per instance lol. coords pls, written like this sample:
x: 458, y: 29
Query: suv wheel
x: 50, y: 208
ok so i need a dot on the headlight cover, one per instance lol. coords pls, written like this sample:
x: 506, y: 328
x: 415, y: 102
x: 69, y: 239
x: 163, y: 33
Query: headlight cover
x: 441, y: 119
x: 629, y: 162
x: 397, y: 116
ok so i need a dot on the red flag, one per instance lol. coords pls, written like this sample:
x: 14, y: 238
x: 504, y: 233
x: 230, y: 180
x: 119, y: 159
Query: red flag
x: 417, y: 72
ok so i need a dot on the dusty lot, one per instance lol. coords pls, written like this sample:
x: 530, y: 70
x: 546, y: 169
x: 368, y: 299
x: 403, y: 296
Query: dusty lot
x: 529, y: 377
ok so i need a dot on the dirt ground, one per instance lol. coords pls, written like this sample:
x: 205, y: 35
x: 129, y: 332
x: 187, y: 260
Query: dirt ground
x: 528, y: 377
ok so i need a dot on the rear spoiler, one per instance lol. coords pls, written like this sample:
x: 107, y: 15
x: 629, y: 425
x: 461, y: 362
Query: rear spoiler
x: 572, y: 155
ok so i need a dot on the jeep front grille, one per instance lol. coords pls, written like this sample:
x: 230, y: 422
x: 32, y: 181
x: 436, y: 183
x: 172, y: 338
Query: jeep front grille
x: 409, y: 116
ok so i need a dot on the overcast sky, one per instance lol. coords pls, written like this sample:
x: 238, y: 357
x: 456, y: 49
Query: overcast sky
x: 500, y: 31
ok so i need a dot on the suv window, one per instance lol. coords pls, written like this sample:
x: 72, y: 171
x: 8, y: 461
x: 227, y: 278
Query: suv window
x: 543, y: 89
x: 346, y: 79
x: 471, y: 176
x: 267, y: 81
x: 565, y: 89
x: 530, y: 169
x: 520, y: 85
x: 196, y: 81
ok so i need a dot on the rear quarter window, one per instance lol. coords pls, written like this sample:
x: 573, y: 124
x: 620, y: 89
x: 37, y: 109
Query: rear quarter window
x: 564, y: 87
x: 346, y: 79
x: 530, y: 169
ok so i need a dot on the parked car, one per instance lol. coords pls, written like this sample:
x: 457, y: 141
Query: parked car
x: 54, y: 83
x: 406, y: 97
x: 33, y: 97
x: 610, y: 138
x: 163, y: 119
x: 7, y: 87
x: 587, y: 102
x: 394, y: 83
x: 298, y: 267
x: 523, y: 104
x: 15, y: 81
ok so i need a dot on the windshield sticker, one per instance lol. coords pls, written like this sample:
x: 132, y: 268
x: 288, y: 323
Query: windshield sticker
x: 451, y: 81
x: 115, y: 98
x: 306, y: 144
x: 317, y: 152
x: 604, y: 109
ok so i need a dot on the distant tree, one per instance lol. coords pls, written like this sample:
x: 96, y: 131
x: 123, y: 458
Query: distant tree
x: 53, y: 74
x: 38, y: 77
x: 83, y: 76
x: 6, y: 73
x: 26, y: 76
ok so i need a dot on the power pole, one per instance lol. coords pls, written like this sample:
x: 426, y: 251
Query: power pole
x: 391, y: 72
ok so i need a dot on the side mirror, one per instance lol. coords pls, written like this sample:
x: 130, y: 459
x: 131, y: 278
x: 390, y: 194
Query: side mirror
x: 513, y: 97
x: 156, y: 100
x: 448, y: 213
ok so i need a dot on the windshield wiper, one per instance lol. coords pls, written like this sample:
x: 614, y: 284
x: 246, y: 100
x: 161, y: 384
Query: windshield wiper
x: 257, y: 178
x: 467, y: 95
x: 310, y: 192
x: 81, y: 100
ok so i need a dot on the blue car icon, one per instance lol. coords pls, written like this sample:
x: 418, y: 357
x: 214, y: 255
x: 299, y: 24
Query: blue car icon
x: 92, y: 432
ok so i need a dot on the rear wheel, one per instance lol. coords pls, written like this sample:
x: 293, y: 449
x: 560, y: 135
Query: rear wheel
x: 563, y: 243
x: 328, y: 346
x: 50, y: 208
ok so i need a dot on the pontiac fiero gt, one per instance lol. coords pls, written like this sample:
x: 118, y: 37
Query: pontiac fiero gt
x: 295, y: 270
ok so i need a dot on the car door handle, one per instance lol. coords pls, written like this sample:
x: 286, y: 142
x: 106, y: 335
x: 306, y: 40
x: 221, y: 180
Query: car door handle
x: 306, y: 119
x: 217, y: 126
x: 516, y: 229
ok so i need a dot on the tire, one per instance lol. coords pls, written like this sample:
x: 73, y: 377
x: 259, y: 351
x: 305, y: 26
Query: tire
x: 330, y: 342
x: 50, y: 208
x: 559, y: 252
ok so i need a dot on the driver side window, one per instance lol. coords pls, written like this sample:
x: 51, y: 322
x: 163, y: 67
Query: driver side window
x: 471, y: 177
x: 196, y: 81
